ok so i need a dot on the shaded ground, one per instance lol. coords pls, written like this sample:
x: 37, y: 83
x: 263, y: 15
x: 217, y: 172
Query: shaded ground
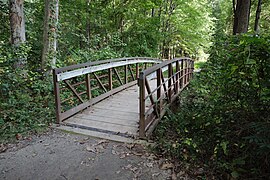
x: 59, y: 155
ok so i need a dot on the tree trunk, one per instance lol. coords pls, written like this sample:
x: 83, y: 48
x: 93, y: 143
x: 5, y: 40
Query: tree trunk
x: 258, y: 13
x: 44, y: 58
x: 17, y: 27
x: 50, y: 34
x: 17, y: 22
x: 88, y: 24
x: 241, y: 16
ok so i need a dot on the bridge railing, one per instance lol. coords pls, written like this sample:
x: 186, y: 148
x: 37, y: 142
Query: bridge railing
x: 159, y: 86
x: 79, y: 86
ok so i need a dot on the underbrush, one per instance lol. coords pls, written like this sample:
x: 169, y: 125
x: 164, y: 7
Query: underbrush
x: 26, y: 96
x: 223, y: 122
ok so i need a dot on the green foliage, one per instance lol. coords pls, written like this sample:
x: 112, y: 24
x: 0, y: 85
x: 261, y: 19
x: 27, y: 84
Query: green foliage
x: 224, y: 118
x: 26, y: 101
x: 4, y: 16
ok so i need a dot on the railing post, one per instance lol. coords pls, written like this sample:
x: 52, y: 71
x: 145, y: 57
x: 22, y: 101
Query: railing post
x: 177, y: 77
x: 185, y: 72
x: 192, y: 69
x: 88, y: 86
x: 137, y: 70
x: 169, y: 82
x: 189, y: 70
x: 142, y: 105
x: 181, y: 75
x: 126, y: 74
x: 57, y: 97
x: 159, y: 99
x: 110, y: 78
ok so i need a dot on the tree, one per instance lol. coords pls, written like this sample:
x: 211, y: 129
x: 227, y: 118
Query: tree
x: 241, y: 16
x: 258, y: 13
x: 50, y: 34
x: 17, y: 27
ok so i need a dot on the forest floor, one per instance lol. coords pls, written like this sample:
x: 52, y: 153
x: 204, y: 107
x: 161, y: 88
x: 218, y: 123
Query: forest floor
x: 60, y: 155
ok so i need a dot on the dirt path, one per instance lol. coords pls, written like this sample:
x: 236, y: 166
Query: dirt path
x: 59, y: 155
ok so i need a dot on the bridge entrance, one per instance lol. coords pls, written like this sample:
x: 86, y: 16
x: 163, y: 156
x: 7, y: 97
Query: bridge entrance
x: 119, y: 97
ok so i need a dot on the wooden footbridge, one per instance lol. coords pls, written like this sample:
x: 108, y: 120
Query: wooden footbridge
x: 122, y: 97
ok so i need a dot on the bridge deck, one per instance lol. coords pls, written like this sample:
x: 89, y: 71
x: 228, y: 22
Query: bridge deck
x: 116, y: 115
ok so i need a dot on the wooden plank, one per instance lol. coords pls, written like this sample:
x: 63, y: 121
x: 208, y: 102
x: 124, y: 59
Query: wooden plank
x: 104, y: 126
x: 115, y: 120
x: 111, y: 113
x: 114, y: 104
x: 118, y: 109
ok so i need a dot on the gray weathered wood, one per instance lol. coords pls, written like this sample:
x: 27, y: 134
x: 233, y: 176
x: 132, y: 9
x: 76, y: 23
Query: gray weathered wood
x: 87, y: 70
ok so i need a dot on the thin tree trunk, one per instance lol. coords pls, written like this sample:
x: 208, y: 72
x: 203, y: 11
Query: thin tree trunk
x: 54, y: 31
x: 258, y: 14
x: 17, y: 27
x: 50, y: 34
x: 44, y: 56
x: 241, y: 16
x: 88, y: 25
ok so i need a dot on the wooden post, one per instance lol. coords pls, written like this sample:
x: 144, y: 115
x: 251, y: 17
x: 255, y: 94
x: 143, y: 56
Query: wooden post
x: 57, y: 97
x: 110, y: 78
x: 188, y: 71
x: 192, y: 69
x: 142, y: 106
x: 177, y: 77
x: 88, y: 86
x: 169, y: 82
x: 159, y: 102
x: 126, y: 74
x: 185, y: 72
x: 181, y: 74
x: 137, y: 70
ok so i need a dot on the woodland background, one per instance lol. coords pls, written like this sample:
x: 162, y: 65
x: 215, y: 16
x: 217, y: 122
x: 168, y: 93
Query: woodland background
x: 222, y: 125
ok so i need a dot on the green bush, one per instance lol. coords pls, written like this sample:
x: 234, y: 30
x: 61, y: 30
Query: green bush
x: 26, y: 99
x: 224, y: 116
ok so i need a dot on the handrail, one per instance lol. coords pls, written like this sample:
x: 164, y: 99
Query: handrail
x: 77, y: 83
x: 94, y: 63
x: 153, y: 102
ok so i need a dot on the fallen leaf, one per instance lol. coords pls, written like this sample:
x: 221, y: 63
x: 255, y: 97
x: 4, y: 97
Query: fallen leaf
x: 3, y: 148
x: 91, y: 149
x: 114, y: 152
x: 165, y: 166
x: 128, y: 166
x: 130, y: 146
x: 102, y: 142
x: 134, y: 169
x: 152, y: 157
x: 150, y: 165
x: 155, y: 174
x: 18, y: 136
x: 122, y: 156
x: 174, y: 176
x: 181, y: 173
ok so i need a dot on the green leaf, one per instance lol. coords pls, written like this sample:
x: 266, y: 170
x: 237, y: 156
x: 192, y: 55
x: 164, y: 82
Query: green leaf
x: 235, y: 174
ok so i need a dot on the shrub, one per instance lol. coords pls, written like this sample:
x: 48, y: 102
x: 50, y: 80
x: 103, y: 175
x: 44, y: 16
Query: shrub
x: 26, y: 99
x: 224, y: 121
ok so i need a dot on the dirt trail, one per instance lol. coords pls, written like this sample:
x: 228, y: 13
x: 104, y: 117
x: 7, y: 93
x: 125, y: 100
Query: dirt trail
x: 60, y: 155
